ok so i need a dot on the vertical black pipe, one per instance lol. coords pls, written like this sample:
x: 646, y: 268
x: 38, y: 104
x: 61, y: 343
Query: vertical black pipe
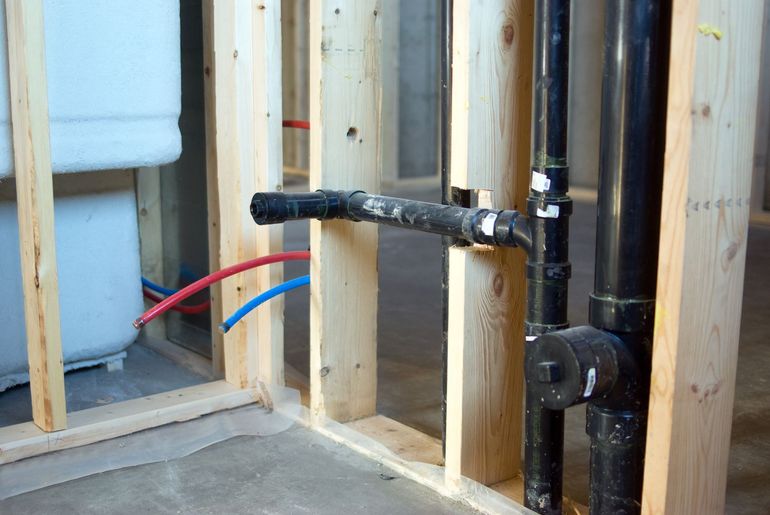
x: 630, y: 181
x: 548, y: 268
x: 445, y: 99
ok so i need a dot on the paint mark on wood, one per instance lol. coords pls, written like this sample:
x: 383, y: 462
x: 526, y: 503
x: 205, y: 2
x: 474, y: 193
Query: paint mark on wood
x: 710, y: 30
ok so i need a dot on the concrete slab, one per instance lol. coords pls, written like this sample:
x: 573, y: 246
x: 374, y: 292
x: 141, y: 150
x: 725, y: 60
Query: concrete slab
x: 296, y: 471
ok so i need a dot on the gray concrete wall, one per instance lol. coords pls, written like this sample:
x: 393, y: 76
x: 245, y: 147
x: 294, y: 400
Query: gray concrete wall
x: 418, y: 88
x: 586, y: 45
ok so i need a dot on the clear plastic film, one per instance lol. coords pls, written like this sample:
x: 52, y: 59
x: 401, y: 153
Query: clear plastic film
x: 163, y: 443
x: 434, y: 477
x: 281, y: 411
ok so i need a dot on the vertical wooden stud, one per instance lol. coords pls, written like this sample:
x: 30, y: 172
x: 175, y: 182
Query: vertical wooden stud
x: 242, y: 69
x: 712, y: 100
x: 491, y: 118
x: 34, y: 196
x: 150, y: 236
x: 345, y: 153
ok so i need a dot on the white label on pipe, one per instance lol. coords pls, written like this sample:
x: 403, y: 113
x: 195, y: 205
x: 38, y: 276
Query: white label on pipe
x: 530, y: 338
x: 540, y: 182
x: 590, y: 382
x: 552, y: 211
x: 488, y: 224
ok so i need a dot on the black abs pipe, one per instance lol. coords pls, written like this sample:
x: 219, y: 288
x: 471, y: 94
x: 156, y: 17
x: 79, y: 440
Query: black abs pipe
x: 630, y: 181
x: 445, y: 98
x: 548, y: 267
x: 502, y: 228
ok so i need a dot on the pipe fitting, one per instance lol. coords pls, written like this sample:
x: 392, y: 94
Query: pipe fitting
x: 572, y: 366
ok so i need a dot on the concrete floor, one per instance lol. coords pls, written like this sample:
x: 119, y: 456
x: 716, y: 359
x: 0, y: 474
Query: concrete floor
x: 293, y: 472
x: 144, y: 373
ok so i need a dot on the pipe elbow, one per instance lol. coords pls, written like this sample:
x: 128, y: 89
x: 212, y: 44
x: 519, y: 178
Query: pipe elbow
x: 521, y: 233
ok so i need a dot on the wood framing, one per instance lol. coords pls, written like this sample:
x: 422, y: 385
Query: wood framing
x: 242, y: 72
x: 704, y: 221
x: 150, y: 236
x: 345, y: 153
x: 34, y: 197
x: 104, y: 422
x: 491, y: 119
x: 707, y: 201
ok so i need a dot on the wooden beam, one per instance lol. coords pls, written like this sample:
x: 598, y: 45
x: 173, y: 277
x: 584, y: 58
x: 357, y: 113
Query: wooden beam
x: 212, y: 187
x: 34, y: 197
x: 405, y: 451
x: 704, y: 220
x: 404, y: 441
x: 345, y: 153
x: 243, y: 116
x: 148, y: 209
x: 491, y: 116
x: 110, y: 421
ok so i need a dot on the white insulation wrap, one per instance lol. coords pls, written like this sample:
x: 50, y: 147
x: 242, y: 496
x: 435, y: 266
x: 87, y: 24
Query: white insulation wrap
x: 114, y: 91
x: 97, y: 255
x: 114, y: 98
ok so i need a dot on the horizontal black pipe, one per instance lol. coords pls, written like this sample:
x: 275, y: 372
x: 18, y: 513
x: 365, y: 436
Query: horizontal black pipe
x: 504, y: 228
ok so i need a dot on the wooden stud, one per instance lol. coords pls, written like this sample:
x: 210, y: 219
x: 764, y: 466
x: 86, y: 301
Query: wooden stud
x: 150, y: 237
x: 243, y: 115
x: 34, y: 196
x: 704, y: 220
x: 212, y: 187
x: 345, y: 153
x: 113, y: 420
x: 406, y: 442
x: 491, y: 114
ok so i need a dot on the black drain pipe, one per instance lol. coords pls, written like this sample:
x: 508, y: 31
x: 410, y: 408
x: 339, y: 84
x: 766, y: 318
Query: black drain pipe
x: 608, y: 365
x: 548, y: 267
x: 633, y: 121
x: 500, y: 228
x: 449, y: 195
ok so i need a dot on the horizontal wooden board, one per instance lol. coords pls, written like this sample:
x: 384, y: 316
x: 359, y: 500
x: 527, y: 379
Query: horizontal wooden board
x: 104, y: 422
